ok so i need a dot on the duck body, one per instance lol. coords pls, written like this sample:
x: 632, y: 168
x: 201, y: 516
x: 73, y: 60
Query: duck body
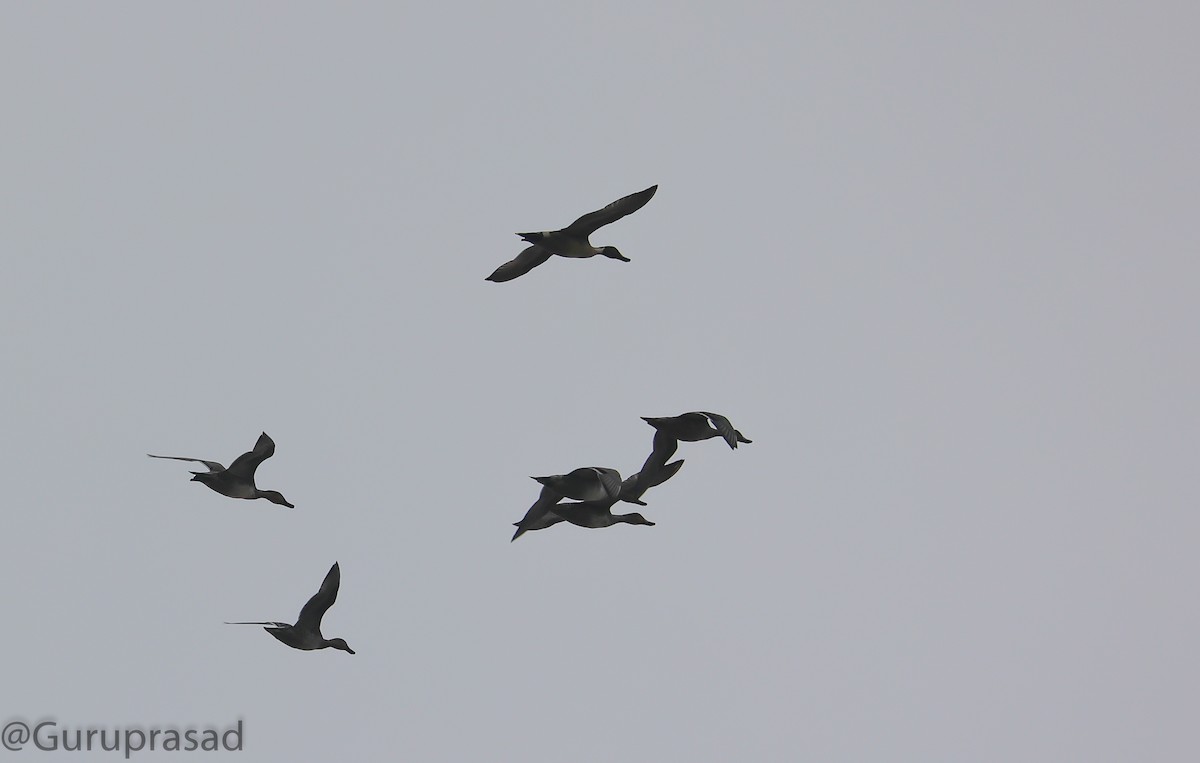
x: 596, y: 516
x: 297, y: 639
x: 588, y: 483
x: 226, y: 484
x: 564, y: 244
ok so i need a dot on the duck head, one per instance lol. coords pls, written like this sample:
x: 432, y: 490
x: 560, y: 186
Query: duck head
x: 339, y: 643
x: 274, y: 496
x: 633, y: 519
x: 614, y: 253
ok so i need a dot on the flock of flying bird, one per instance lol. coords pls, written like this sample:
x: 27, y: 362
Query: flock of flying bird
x: 595, y: 489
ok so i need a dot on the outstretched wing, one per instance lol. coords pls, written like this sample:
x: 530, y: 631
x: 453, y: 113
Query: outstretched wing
x: 268, y: 622
x: 518, y: 266
x: 633, y: 488
x: 213, y: 466
x: 536, y: 517
x: 724, y: 427
x: 245, y: 465
x: 665, y: 446
x: 548, y: 519
x: 587, y: 225
x: 322, y: 600
x: 610, y: 480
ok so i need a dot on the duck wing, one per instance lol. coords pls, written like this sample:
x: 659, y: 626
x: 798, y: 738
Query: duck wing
x: 548, y: 519
x: 322, y: 600
x: 665, y: 446
x: 633, y: 488
x: 535, y: 518
x: 213, y: 466
x: 724, y: 428
x: 518, y: 266
x: 610, y: 480
x: 246, y: 464
x: 589, y: 223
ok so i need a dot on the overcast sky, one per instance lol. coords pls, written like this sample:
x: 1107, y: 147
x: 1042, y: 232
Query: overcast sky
x: 939, y: 264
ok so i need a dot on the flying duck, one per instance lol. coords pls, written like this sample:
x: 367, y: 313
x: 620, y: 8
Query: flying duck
x: 688, y: 427
x: 306, y: 633
x: 572, y: 241
x: 238, y: 480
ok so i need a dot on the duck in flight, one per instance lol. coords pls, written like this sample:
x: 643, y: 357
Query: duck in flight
x: 306, y: 633
x: 238, y: 480
x: 572, y: 241
x: 547, y: 511
x: 688, y: 427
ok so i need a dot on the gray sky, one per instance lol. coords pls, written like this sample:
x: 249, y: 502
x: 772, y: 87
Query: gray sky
x: 939, y: 264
